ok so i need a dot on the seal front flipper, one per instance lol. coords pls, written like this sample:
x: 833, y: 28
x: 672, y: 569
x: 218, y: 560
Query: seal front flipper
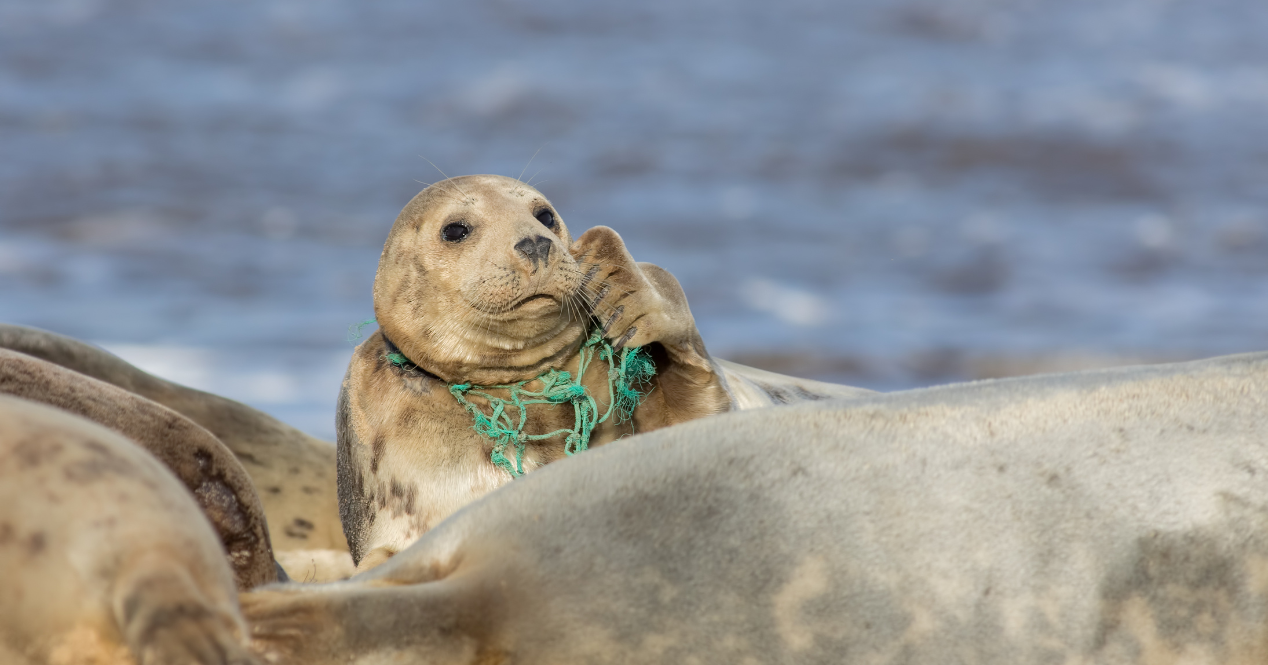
x: 642, y: 305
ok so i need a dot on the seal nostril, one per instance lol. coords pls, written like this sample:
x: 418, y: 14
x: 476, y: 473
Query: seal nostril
x: 535, y: 249
x: 543, y: 247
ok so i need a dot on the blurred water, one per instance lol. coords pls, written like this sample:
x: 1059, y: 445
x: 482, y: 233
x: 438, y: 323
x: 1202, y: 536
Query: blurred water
x: 885, y: 193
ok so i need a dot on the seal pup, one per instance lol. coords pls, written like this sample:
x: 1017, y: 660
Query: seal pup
x: 293, y: 473
x: 106, y: 557
x: 480, y: 282
x: 1115, y: 516
x: 209, y: 471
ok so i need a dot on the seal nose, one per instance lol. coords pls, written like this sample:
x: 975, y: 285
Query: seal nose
x: 534, y: 249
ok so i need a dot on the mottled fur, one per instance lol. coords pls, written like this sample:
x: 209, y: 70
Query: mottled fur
x: 1116, y: 516
x: 293, y: 473
x: 206, y: 467
x: 106, y: 558
x: 480, y: 310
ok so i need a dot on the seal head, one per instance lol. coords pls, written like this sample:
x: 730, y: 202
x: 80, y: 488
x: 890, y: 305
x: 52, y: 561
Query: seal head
x: 476, y: 283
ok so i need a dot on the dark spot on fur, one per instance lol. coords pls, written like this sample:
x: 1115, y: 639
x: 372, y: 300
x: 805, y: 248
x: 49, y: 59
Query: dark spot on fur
x: 273, y: 490
x: 379, y: 498
x: 402, y: 498
x: 299, y: 528
x: 376, y: 452
x: 309, y: 490
x: 101, y: 463
x: 787, y: 394
x: 809, y: 395
x: 1192, y: 584
x: 36, y: 543
x: 32, y: 453
x: 130, y: 606
x: 6, y: 533
x: 294, y: 471
x: 777, y: 394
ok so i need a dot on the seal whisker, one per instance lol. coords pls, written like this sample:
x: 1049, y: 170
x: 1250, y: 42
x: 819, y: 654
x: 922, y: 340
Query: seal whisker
x: 594, y: 300
x: 442, y: 189
x: 597, y: 298
x: 447, y: 181
x: 519, y: 178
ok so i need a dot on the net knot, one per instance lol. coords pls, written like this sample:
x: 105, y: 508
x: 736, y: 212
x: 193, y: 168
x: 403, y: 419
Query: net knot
x: 629, y: 375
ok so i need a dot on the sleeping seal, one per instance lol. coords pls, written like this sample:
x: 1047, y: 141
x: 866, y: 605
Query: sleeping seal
x: 293, y: 473
x: 1116, y: 516
x: 209, y: 471
x: 480, y: 283
x: 106, y: 558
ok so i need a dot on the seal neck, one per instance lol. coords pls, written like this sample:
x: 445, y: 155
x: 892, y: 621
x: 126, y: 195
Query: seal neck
x: 398, y: 359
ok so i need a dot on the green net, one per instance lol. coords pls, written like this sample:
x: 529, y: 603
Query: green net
x: 629, y: 374
x: 354, y: 330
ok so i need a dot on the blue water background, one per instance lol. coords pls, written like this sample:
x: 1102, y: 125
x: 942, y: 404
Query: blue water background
x: 886, y: 193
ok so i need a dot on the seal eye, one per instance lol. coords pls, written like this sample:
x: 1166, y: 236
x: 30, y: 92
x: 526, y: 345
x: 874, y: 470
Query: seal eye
x: 455, y: 232
x: 547, y: 218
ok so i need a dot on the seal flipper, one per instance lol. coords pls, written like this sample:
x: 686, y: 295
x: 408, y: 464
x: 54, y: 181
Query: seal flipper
x: 166, y: 619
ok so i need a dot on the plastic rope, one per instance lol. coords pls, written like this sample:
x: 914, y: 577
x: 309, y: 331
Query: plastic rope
x: 629, y: 373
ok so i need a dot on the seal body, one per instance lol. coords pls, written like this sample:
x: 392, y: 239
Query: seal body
x: 480, y: 282
x: 1114, y: 516
x: 293, y: 473
x: 106, y: 557
x: 208, y: 470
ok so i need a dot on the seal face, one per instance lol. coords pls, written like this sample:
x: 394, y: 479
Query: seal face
x: 476, y: 284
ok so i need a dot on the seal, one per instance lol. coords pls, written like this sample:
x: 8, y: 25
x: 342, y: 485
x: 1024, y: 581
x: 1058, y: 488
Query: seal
x: 1094, y: 517
x: 293, y: 473
x: 208, y: 470
x: 107, y: 559
x: 480, y: 282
